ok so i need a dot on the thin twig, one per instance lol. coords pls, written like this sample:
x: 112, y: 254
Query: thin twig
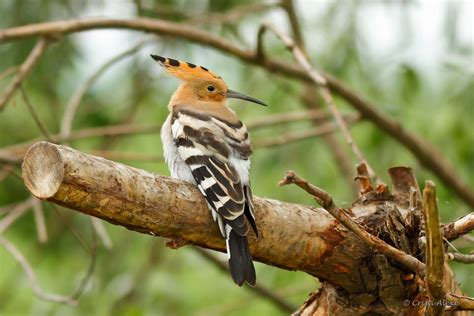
x: 90, y: 269
x: 7, y: 207
x: 64, y: 220
x: 259, y: 289
x: 14, y: 153
x: 7, y: 160
x: 162, y: 10
x: 187, y: 17
x: 15, y: 213
x: 342, y: 159
x: 39, y: 292
x: 461, y: 302
x: 39, y: 220
x: 5, y: 171
x: 459, y: 257
x: 450, y: 244
x: 9, y: 71
x: 23, y: 71
x: 101, y: 232
x: 326, y: 201
x: 35, y: 116
x: 234, y: 15
x: 75, y: 100
x: 434, y: 249
x: 259, y: 54
x: 289, y: 7
x: 90, y: 249
x: 284, y: 139
x: 287, y: 117
x: 468, y: 238
x: 322, y: 83
x: 459, y: 227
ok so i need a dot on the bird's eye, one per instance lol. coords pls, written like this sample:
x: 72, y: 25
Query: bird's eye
x: 210, y: 88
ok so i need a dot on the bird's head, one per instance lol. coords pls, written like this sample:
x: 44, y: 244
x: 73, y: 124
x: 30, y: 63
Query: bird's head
x: 199, y: 82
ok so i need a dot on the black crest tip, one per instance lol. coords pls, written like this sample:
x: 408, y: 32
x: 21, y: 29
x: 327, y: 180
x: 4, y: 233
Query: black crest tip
x: 158, y: 58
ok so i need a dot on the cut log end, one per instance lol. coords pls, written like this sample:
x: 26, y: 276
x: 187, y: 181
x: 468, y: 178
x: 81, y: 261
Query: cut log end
x: 43, y: 170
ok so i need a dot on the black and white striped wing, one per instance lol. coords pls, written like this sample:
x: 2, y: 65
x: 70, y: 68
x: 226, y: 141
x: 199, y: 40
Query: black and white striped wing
x: 203, y: 147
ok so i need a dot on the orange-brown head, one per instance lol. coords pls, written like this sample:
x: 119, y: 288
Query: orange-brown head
x: 199, y: 83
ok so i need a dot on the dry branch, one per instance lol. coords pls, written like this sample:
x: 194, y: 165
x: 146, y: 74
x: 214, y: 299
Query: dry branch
x: 459, y: 257
x: 434, y: 249
x: 24, y: 70
x: 320, y: 81
x: 459, y: 227
x: 39, y: 221
x: 158, y: 205
x: 326, y: 201
x: 35, y: 115
x: 461, y: 302
x: 15, y: 213
x: 74, y: 102
x: 39, y: 292
x: 6, y: 171
x: 7, y: 72
x: 283, y: 139
x: 310, y: 99
x: 287, y: 117
x: 15, y: 153
x: 234, y: 15
x: 339, y: 152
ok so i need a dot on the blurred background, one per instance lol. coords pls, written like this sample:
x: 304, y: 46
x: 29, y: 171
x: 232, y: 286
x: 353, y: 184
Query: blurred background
x: 413, y: 59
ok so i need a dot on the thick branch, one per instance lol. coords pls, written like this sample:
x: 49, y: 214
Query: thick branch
x: 158, y: 205
x: 427, y: 154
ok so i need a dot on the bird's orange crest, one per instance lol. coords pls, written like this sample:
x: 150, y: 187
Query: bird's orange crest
x: 198, y: 83
x: 185, y: 70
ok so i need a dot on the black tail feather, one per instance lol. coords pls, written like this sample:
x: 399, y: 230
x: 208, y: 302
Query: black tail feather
x: 240, y: 261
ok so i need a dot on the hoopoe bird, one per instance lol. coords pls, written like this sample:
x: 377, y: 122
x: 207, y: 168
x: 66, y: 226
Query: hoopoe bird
x: 206, y: 144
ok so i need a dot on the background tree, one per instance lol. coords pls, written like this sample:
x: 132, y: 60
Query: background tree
x: 73, y: 92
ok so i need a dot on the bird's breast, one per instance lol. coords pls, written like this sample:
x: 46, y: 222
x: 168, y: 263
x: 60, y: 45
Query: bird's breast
x: 178, y: 168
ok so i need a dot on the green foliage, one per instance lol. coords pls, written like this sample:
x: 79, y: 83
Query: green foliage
x: 140, y: 276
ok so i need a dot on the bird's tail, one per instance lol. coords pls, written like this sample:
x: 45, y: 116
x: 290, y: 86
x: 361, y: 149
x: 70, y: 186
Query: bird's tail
x: 240, y: 261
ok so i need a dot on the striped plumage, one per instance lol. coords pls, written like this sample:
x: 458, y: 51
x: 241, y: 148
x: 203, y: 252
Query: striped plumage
x: 206, y: 144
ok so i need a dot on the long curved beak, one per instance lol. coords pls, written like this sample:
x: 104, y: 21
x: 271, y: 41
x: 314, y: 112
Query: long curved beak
x: 238, y: 95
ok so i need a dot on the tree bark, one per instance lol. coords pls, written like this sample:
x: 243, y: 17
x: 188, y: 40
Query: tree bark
x: 355, y: 278
x: 162, y: 206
